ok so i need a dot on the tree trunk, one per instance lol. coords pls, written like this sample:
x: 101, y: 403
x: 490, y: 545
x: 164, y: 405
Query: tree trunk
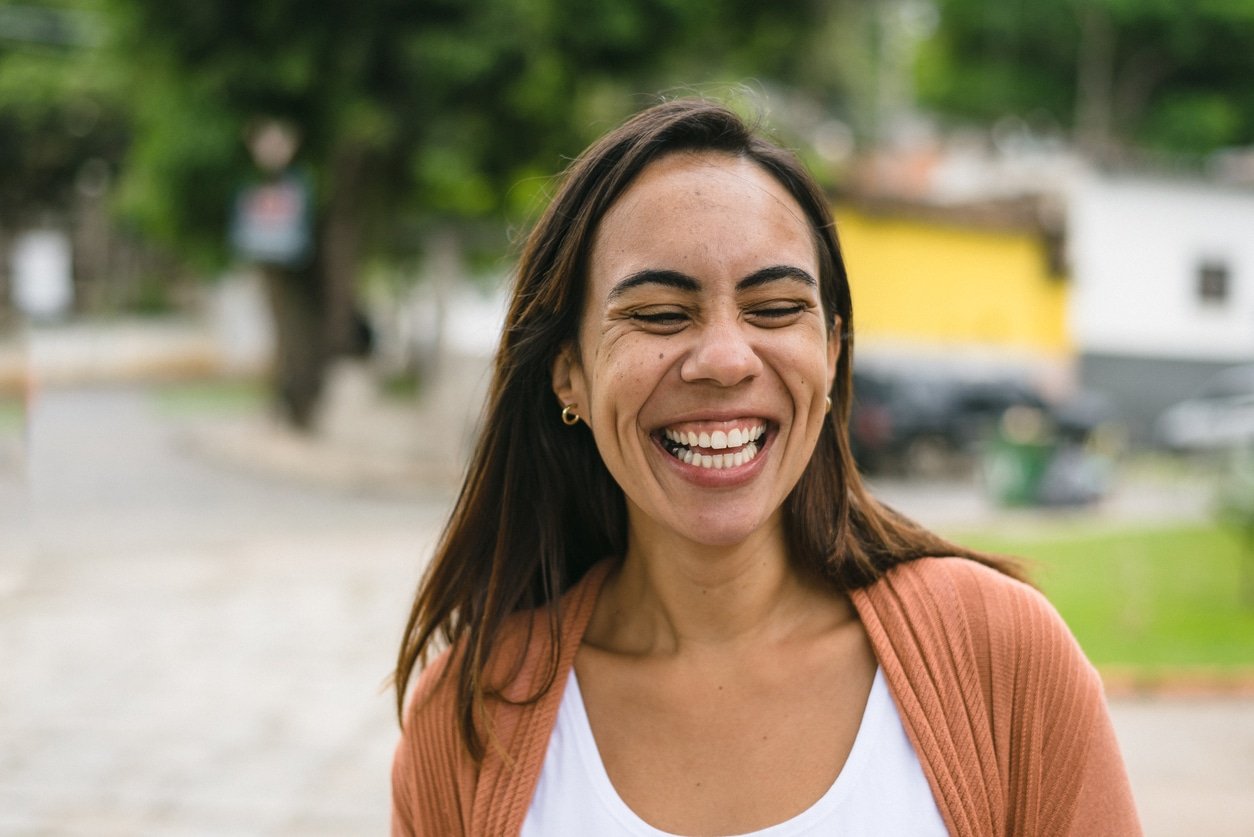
x: 314, y: 307
x: 443, y: 267
x: 346, y: 331
x: 1137, y: 79
x: 1095, y: 79
x: 297, y: 307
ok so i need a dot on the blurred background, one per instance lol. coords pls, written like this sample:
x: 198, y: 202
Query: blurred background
x: 253, y: 257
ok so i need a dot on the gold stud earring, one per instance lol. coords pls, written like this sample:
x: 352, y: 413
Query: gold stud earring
x: 569, y: 416
x: 829, y: 403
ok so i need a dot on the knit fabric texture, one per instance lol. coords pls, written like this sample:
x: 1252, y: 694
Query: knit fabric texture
x: 1007, y: 716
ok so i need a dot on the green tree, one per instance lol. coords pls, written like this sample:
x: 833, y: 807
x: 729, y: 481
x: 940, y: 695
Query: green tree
x: 412, y: 116
x: 61, y: 120
x: 1120, y: 74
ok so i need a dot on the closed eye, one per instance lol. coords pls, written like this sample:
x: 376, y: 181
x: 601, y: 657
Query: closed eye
x: 668, y: 319
x: 779, y: 312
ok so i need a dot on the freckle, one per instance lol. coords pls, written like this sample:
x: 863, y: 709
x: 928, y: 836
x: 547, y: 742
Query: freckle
x: 660, y: 355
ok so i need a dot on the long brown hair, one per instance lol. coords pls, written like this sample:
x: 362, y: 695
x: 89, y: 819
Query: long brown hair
x: 538, y: 507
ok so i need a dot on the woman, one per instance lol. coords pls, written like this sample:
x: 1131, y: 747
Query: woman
x: 670, y: 604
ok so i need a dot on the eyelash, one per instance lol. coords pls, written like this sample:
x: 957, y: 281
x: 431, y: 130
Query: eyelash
x: 780, y: 311
x: 675, y: 318
x: 663, y: 318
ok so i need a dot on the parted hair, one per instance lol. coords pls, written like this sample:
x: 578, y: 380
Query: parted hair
x: 538, y: 508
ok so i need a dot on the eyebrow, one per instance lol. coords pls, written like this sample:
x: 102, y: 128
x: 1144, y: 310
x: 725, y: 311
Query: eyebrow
x: 684, y: 282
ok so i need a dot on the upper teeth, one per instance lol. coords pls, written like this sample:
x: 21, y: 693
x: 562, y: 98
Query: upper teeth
x: 718, y: 440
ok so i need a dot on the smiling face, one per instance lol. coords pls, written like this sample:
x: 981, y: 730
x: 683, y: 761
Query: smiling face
x: 703, y: 359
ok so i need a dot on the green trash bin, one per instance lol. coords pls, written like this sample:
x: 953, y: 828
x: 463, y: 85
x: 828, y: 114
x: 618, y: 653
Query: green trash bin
x: 1013, y: 471
x: 1016, y: 460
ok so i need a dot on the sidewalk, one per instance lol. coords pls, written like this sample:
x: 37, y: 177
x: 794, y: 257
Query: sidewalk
x: 364, y: 441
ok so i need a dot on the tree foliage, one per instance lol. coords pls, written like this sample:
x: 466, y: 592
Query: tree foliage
x: 60, y: 114
x: 1168, y: 76
x: 440, y: 108
x: 411, y: 114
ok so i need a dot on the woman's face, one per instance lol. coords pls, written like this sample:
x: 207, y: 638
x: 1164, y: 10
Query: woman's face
x: 703, y: 362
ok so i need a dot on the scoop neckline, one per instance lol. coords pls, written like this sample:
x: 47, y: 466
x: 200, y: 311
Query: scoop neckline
x: 837, y: 793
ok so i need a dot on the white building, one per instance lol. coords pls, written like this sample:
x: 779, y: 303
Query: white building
x: 1163, y: 286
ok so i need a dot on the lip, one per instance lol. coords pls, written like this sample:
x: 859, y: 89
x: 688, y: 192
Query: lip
x: 716, y: 417
x: 718, y: 477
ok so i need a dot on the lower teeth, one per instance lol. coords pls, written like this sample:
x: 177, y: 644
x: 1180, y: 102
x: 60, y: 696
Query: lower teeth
x: 715, y: 461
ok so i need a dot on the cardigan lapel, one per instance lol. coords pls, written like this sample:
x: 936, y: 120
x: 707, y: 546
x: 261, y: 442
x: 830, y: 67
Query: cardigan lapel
x: 920, y: 633
x: 521, y: 725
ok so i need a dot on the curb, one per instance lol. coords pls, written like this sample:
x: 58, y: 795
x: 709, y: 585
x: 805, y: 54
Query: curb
x: 1183, y: 683
x: 267, y: 448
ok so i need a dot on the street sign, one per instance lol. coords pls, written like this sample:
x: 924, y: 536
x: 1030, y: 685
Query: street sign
x: 272, y: 222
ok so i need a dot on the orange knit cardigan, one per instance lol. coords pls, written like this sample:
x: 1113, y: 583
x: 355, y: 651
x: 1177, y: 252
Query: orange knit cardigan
x: 1007, y: 716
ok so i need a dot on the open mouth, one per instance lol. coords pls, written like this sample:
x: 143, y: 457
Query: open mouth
x: 718, y: 449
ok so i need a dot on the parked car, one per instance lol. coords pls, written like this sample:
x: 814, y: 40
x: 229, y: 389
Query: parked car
x: 926, y: 423
x: 900, y: 421
x: 1219, y: 416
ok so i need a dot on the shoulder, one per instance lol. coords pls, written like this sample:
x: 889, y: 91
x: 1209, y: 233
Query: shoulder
x: 434, y: 774
x: 994, y: 633
x: 995, y: 692
x: 435, y: 777
x: 431, y: 767
x: 434, y: 695
x: 961, y: 595
x: 521, y: 682
x: 958, y: 575
x: 523, y: 643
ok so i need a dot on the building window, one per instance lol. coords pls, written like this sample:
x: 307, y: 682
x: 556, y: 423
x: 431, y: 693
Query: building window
x: 1213, y: 282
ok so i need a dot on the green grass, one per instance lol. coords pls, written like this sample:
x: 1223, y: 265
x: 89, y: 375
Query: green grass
x: 1151, y: 600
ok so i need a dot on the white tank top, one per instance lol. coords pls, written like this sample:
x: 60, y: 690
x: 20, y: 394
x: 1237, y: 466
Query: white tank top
x: 881, y: 790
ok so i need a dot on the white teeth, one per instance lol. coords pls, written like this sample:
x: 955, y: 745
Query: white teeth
x: 719, y: 460
x: 739, y: 442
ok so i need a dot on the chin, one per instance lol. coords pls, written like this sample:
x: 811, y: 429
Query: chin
x: 723, y: 532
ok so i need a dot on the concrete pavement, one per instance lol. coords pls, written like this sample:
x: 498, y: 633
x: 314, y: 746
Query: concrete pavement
x: 189, y: 649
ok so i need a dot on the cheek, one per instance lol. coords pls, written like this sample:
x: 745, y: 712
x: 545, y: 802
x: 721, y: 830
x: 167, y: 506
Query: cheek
x: 804, y: 355
x: 628, y: 376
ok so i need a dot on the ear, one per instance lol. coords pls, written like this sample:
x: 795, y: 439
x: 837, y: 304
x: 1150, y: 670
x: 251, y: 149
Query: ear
x: 568, y: 381
x: 834, y: 343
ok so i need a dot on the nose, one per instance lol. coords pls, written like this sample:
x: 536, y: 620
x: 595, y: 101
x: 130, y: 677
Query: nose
x: 722, y: 355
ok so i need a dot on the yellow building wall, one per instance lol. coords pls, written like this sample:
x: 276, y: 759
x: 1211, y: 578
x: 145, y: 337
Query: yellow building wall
x: 925, y: 281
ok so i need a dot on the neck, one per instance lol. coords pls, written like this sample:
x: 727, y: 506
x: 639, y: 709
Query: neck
x: 674, y: 596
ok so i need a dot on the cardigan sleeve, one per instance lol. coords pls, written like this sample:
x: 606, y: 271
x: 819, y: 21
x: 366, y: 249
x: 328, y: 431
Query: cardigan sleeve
x: 1007, y: 715
x: 1063, y: 770
x: 432, y: 773
x: 1105, y: 804
x: 438, y: 788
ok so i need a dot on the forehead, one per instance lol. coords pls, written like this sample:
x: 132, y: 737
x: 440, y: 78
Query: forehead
x: 702, y: 211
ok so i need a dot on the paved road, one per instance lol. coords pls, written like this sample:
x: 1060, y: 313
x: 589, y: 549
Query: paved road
x: 193, y: 648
